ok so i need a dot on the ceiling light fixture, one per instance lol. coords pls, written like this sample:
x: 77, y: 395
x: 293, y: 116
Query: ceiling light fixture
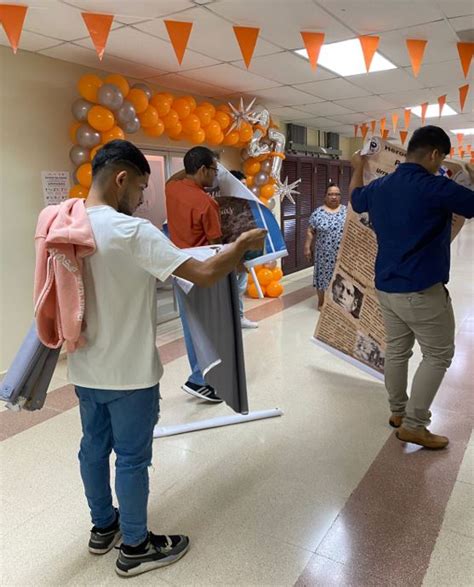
x: 433, y: 111
x: 464, y: 131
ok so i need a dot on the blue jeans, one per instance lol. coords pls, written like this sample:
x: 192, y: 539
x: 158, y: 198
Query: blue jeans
x: 196, y: 376
x: 242, y: 281
x: 122, y: 421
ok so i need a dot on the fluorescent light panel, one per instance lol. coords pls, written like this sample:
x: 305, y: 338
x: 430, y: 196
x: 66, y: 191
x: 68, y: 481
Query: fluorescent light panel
x: 464, y: 131
x: 346, y: 58
x: 433, y: 111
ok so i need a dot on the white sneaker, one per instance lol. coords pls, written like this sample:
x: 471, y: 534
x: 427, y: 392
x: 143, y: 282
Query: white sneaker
x: 246, y: 323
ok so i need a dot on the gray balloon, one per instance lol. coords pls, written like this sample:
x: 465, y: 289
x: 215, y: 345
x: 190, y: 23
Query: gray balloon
x: 80, y: 109
x: 126, y: 113
x: 145, y: 88
x: 255, y: 190
x: 271, y: 204
x: 110, y: 96
x: 266, y: 166
x: 244, y: 154
x: 87, y: 137
x: 260, y: 178
x: 131, y: 126
x: 79, y: 155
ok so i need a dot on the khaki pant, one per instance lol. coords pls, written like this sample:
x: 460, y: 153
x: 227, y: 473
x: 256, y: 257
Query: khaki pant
x: 427, y: 317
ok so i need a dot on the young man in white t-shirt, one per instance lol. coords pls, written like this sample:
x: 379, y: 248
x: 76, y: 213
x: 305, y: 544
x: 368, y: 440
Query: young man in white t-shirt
x: 117, y: 373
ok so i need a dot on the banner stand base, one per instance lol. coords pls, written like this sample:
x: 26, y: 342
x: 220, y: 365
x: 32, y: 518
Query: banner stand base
x: 163, y: 431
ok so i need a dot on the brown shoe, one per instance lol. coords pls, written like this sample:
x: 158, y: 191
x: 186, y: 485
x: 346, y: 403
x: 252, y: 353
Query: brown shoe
x: 423, y: 437
x: 396, y: 420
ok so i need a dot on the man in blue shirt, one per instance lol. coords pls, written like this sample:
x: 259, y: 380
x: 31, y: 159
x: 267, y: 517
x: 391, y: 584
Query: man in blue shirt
x: 411, y: 212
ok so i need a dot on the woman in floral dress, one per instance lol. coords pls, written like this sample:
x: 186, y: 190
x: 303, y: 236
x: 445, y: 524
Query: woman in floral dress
x: 323, y: 238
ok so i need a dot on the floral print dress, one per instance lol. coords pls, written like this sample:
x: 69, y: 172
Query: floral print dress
x: 328, y: 227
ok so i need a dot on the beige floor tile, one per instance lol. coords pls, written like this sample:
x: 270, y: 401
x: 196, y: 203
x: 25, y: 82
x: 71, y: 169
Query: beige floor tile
x: 466, y: 471
x: 459, y: 515
x: 452, y: 561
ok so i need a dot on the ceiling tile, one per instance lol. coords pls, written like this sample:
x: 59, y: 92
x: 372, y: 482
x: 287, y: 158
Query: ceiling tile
x: 274, y: 18
x: 325, y: 109
x: 140, y: 10
x: 356, y: 118
x: 365, y: 104
x: 285, y: 96
x: 333, y: 89
x: 174, y: 81
x: 227, y: 76
x: 464, y: 23
x: 30, y: 41
x: 319, y: 122
x: 447, y: 72
x: 287, y: 114
x: 386, y: 81
x: 409, y: 97
x: 209, y: 31
x: 129, y: 43
x: 453, y: 8
x: 87, y: 57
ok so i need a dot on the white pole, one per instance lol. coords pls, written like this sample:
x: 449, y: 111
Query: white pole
x: 162, y: 431
x: 257, y: 285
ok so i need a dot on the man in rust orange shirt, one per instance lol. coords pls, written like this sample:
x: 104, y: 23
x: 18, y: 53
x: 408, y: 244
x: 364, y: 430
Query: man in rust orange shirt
x: 194, y: 221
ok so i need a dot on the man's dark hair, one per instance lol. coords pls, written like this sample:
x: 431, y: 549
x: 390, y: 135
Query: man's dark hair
x: 196, y: 157
x: 120, y: 153
x: 238, y: 174
x: 428, y: 138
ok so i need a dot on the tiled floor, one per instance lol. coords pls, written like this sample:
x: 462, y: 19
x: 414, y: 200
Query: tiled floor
x: 323, y: 496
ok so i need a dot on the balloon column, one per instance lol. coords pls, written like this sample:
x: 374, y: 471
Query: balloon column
x: 269, y: 279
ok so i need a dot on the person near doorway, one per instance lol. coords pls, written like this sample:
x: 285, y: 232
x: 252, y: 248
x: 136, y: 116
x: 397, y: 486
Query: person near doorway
x: 411, y: 213
x: 194, y: 221
x: 242, y: 274
x: 323, y: 238
x: 117, y: 372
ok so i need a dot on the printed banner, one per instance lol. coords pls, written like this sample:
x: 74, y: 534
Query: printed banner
x: 351, y: 323
x: 56, y: 186
x: 241, y: 210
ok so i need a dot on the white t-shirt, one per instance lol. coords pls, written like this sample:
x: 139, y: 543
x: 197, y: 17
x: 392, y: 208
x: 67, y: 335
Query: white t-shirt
x: 120, y: 302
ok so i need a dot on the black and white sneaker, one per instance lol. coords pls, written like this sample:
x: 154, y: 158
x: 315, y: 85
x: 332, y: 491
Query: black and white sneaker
x: 205, y: 392
x: 155, y: 552
x: 104, y: 539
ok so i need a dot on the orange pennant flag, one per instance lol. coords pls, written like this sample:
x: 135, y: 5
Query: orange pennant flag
x: 407, y: 117
x: 461, y: 152
x: 394, y: 121
x: 403, y: 136
x: 12, y: 18
x: 363, y: 130
x: 369, y: 46
x: 466, y: 51
x: 468, y: 148
x: 98, y: 26
x: 416, y: 50
x: 460, y: 137
x: 356, y: 129
x: 385, y: 133
x: 424, y: 108
x: 372, y: 126
x: 383, y: 122
x: 247, y: 39
x: 441, y: 103
x: 313, y: 43
x: 179, y: 32
x: 451, y: 153
x: 463, y: 90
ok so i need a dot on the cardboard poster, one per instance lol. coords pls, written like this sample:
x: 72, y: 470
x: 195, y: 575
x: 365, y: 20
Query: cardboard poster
x: 56, y: 186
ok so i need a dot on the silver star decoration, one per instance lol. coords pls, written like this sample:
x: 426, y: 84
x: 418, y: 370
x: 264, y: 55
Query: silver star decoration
x: 287, y: 190
x: 241, y: 114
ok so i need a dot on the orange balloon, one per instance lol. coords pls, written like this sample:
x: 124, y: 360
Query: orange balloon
x: 209, y: 107
x: 245, y: 132
x: 84, y: 174
x: 223, y: 119
x: 88, y: 86
x: 224, y: 108
x: 232, y: 138
x: 249, y: 179
x: 93, y: 152
x: 253, y: 292
x: 182, y: 107
x: 191, y: 124
x: 100, y: 118
x: 204, y: 115
x: 251, y: 167
x: 274, y: 289
x: 267, y: 191
x: 111, y: 135
x: 149, y: 118
x: 119, y: 81
x: 213, y: 129
x: 155, y: 131
x: 162, y: 102
x: 73, y: 129
x: 215, y: 139
x: 171, y: 119
x: 78, y: 191
x: 249, y: 278
x: 264, y: 276
x: 277, y: 274
x: 175, y: 131
x: 192, y: 102
x: 139, y: 100
x: 198, y: 137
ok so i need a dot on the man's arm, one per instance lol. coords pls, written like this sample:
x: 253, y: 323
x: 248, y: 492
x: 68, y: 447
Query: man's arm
x: 177, y: 176
x: 212, y: 270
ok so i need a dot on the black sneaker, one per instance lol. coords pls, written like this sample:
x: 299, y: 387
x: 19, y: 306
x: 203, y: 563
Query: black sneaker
x: 104, y: 539
x: 205, y: 392
x: 156, y: 551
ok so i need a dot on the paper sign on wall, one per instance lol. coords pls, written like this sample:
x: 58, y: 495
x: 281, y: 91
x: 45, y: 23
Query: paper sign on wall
x: 56, y: 185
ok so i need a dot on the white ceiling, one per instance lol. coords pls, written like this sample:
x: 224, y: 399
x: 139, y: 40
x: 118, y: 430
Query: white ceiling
x: 138, y: 46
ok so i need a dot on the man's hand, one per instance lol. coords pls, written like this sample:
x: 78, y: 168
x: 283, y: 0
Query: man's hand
x: 358, y: 160
x: 252, y: 240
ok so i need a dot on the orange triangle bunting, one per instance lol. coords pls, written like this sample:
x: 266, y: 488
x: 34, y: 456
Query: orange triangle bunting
x: 385, y: 133
x: 356, y: 129
x: 383, y: 122
x: 12, y: 18
x: 394, y: 121
x: 313, y: 43
x: 98, y: 26
x: 466, y: 51
x: 363, y: 130
x: 179, y: 32
x: 247, y: 39
x: 441, y: 103
x: 403, y: 136
x: 416, y: 50
x: 372, y: 126
x: 460, y: 137
x: 369, y: 46
x: 424, y: 108
x: 407, y: 117
x: 463, y: 91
